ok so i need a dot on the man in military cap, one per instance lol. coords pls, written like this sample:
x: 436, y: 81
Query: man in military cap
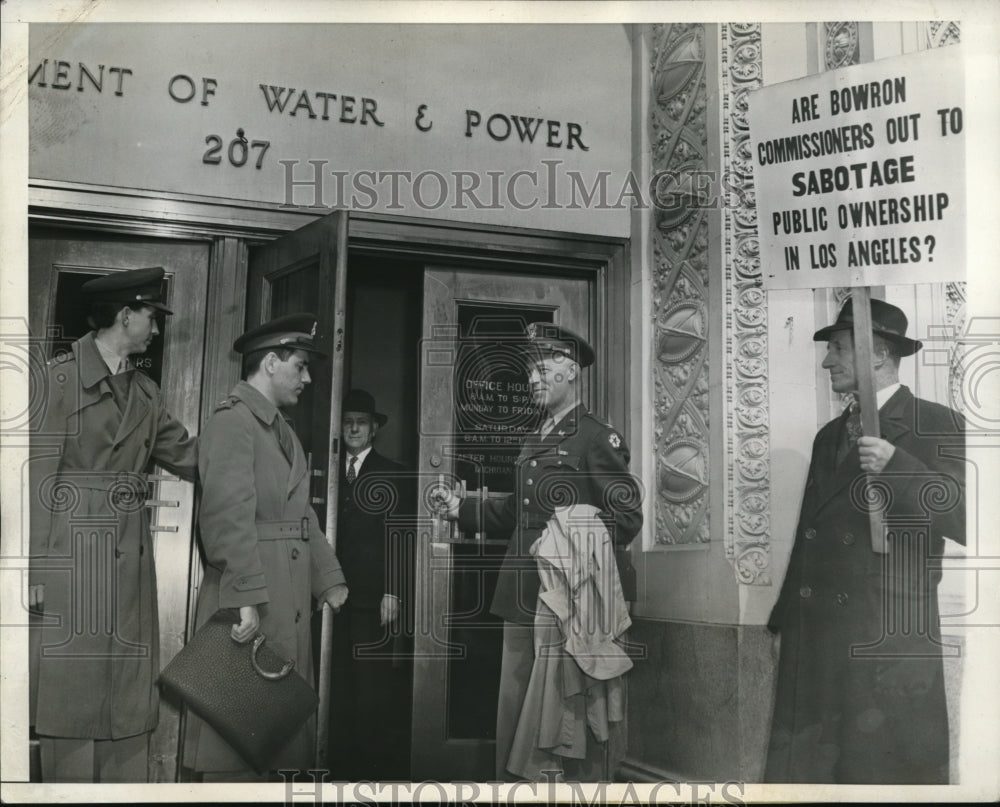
x: 860, y: 700
x: 101, y: 424
x: 574, y: 458
x: 265, y: 554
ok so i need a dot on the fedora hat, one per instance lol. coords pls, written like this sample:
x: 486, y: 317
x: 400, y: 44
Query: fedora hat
x: 888, y: 321
x: 358, y: 400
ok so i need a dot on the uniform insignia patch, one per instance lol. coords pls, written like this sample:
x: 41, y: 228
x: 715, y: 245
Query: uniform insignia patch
x: 615, y: 440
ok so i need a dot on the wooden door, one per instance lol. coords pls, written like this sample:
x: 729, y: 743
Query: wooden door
x: 60, y: 262
x: 475, y: 408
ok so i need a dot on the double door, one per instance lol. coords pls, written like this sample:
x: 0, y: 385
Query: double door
x: 473, y: 409
x: 466, y: 397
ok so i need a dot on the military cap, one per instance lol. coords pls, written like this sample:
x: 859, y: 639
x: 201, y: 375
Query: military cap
x: 133, y: 288
x: 292, y: 331
x: 359, y: 400
x: 546, y: 338
x: 888, y: 321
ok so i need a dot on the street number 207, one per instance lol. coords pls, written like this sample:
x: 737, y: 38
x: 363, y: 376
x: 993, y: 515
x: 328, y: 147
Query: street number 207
x: 239, y: 150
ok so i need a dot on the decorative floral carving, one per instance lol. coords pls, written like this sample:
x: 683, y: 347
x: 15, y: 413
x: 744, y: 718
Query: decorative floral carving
x: 943, y: 33
x: 747, y: 425
x: 840, y: 44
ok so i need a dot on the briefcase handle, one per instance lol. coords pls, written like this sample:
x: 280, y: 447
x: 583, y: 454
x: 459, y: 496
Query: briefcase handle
x: 258, y: 643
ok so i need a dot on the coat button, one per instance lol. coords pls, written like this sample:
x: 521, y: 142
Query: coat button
x: 295, y: 553
x: 530, y: 482
x: 810, y: 533
x: 118, y: 554
x: 805, y: 592
x: 142, y: 549
x: 298, y: 615
x: 848, y: 538
x: 534, y: 463
x: 116, y: 447
x: 147, y: 442
x: 527, y: 501
x: 842, y: 598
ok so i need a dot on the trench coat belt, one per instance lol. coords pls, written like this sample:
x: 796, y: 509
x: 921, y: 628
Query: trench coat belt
x: 283, y: 530
x: 109, y: 481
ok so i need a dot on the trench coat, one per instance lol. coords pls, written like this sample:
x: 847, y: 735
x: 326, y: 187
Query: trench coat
x: 581, y: 461
x: 262, y: 546
x: 91, y: 547
x: 860, y: 693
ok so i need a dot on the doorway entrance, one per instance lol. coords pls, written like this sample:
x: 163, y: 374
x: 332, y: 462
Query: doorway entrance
x: 435, y: 342
x: 410, y: 285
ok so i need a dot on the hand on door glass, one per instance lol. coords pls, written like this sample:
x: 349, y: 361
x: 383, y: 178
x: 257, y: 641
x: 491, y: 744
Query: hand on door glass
x: 445, y: 502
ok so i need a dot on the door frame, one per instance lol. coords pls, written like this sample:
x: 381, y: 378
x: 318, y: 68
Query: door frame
x: 232, y: 226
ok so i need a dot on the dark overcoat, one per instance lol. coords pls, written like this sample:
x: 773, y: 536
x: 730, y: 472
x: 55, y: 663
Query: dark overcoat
x: 91, y: 546
x: 580, y: 461
x: 364, y: 545
x: 860, y: 695
x: 262, y: 546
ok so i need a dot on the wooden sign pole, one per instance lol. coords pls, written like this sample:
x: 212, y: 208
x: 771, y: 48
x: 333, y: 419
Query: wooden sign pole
x: 866, y: 393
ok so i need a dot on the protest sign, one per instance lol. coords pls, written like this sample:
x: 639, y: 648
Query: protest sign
x: 860, y: 174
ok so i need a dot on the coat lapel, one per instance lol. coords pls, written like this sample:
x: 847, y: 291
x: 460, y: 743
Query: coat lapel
x: 895, y: 419
x: 93, y: 375
x: 298, y: 468
x: 137, y: 407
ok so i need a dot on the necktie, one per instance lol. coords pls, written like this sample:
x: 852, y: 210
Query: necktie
x: 548, y: 426
x: 852, y: 431
x: 351, y: 473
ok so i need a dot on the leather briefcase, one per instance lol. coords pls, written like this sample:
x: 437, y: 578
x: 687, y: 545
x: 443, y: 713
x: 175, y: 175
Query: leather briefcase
x: 250, y: 695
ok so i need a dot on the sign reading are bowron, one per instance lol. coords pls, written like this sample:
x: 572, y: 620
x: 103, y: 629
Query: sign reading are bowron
x: 860, y: 174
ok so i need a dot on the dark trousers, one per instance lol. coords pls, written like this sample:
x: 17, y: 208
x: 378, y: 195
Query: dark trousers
x: 73, y: 760
x: 369, y: 700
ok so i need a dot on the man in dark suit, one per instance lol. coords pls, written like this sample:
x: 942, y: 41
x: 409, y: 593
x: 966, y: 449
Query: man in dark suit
x: 573, y: 459
x: 860, y: 695
x: 369, y: 723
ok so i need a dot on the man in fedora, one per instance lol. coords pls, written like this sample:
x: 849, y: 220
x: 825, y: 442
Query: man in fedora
x: 860, y: 695
x: 573, y: 459
x: 266, y: 557
x: 92, y: 571
x: 369, y: 708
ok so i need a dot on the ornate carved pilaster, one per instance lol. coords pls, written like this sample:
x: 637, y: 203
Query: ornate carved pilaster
x: 747, y: 446
x: 678, y: 137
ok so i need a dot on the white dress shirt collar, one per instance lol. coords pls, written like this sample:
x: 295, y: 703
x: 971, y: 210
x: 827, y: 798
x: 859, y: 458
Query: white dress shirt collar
x: 359, y: 462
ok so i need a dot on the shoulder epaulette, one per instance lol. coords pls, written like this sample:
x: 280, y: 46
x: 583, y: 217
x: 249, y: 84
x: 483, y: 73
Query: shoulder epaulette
x: 225, y: 403
x: 61, y: 358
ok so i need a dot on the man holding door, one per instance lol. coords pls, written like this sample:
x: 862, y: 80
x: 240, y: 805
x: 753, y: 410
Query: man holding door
x: 574, y: 459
